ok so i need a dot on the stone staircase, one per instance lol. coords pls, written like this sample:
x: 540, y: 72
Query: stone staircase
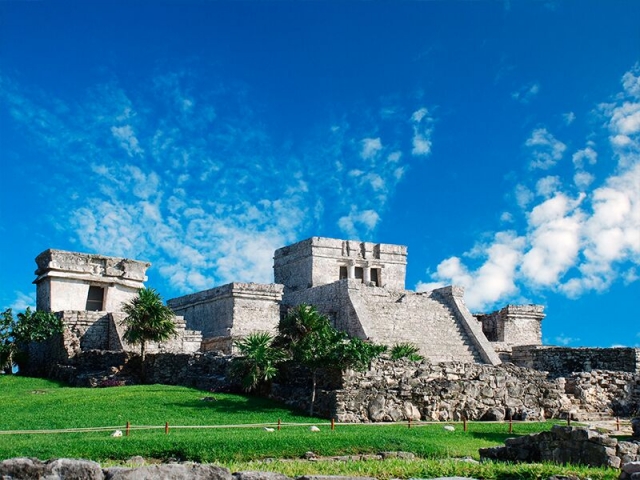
x: 418, y: 318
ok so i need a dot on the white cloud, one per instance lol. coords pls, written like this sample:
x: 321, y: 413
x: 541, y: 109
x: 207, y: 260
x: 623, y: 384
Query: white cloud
x: 569, y: 118
x: 370, y: 147
x: 421, y: 132
x: 489, y: 283
x: 583, y: 180
x: 523, y: 195
x: 565, y: 340
x: 127, y: 139
x: 547, y: 186
x: 587, y: 155
x: 526, y: 93
x: 420, y: 114
x: 546, y: 150
x: 554, y: 239
x: 23, y: 301
x: 506, y: 217
x: 367, y: 220
x: 395, y: 156
x: 572, y: 244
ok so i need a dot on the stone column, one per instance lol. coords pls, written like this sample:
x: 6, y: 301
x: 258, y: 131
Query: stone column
x: 366, y: 277
x: 351, y: 270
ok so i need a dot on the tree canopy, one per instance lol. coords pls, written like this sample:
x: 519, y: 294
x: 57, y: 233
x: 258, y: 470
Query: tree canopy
x: 148, y: 320
x: 311, y: 341
x: 17, y: 333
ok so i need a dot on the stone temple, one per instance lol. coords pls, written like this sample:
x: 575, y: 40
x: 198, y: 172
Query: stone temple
x: 360, y: 286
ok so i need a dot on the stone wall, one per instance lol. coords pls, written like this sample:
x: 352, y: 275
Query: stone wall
x: 562, y: 361
x: 603, y: 392
x: 514, y: 325
x: 449, y: 391
x: 320, y: 261
x: 90, y: 331
x: 231, y: 310
x: 437, y: 322
x: 394, y: 391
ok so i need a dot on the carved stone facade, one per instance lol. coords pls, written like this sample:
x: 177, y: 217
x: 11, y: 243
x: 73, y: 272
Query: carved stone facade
x: 77, y: 281
x: 320, y: 261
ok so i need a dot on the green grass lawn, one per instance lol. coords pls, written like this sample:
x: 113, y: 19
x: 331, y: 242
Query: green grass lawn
x: 36, y: 404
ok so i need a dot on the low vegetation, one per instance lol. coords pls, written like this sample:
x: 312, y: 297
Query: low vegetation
x: 37, y: 404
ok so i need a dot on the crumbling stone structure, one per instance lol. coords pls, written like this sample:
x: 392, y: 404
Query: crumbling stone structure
x: 87, y: 292
x: 573, y: 445
x: 229, y: 312
x: 76, y: 281
x: 511, y: 326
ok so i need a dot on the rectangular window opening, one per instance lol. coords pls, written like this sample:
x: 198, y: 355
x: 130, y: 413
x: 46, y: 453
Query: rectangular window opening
x: 375, y: 276
x: 95, y: 299
x: 359, y: 273
x: 343, y: 273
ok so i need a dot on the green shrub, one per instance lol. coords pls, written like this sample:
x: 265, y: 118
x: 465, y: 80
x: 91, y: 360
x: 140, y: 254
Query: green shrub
x: 405, y: 350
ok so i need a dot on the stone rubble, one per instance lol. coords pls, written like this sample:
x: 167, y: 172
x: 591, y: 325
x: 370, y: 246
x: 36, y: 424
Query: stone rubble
x: 574, y: 445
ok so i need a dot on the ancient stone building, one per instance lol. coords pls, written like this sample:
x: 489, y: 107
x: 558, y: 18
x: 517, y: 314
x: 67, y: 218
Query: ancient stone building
x: 87, y: 291
x: 75, y: 281
x: 359, y: 285
x: 229, y: 312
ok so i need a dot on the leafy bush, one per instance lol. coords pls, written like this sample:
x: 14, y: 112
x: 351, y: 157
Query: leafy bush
x: 405, y: 350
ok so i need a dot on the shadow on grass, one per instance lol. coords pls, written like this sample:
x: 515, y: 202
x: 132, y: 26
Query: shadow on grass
x: 494, y: 437
x: 242, y: 405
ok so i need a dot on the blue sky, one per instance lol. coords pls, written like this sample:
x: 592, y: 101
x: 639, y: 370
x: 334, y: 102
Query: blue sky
x: 499, y: 141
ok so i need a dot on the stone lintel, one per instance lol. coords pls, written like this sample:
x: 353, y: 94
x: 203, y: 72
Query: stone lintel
x: 90, y: 278
x: 322, y: 247
x: 94, y: 267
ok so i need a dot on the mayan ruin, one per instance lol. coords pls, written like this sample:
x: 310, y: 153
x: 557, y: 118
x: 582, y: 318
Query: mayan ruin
x: 491, y: 364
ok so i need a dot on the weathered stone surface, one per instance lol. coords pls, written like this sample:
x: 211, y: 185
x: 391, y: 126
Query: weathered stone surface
x: 63, y: 280
x: 66, y: 468
x: 232, y: 310
x: 172, y: 471
x: 23, y: 468
x: 332, y: 477
x: 560, y: 445
x: 631, y: 467
x: 259, y: 476
x: 564, y: 361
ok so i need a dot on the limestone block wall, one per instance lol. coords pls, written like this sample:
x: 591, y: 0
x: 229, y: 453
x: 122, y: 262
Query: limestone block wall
x: 562, y: 361
x: 514, y: 325
x: 331, y: 300
x: 235, y: 309
x: 565, y: 445
x: 603, y: 391
x: 64, y: 279
x: 395, y: 391
x: 320, y: 261
x: 433, y: 321
x: 185, y: 340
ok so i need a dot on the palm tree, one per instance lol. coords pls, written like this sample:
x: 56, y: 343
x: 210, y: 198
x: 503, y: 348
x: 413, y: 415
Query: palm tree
x: 258, y: 360
x: 147, y: 320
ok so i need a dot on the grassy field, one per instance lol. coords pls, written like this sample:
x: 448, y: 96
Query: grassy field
x: 36, y: 404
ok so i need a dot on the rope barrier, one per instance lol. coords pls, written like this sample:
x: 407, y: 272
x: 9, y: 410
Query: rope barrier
x: 279, y: 424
